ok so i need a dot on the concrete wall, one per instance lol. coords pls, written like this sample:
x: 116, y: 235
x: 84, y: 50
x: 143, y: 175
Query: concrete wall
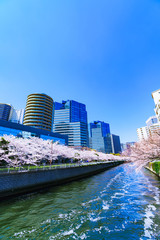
x: 23, y: 182
x: 154, y: 167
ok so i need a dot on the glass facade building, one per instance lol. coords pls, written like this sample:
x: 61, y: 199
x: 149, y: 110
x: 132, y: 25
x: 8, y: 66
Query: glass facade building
x: 19, y: 130
x: 16, y: 116
x: 70, y: 118
x: 4, y: 111
x: 105, y: 128
x: 100, y: 138
x: 116, y: 144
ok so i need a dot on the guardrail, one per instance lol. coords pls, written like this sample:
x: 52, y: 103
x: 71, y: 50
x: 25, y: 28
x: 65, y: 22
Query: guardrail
x: 50, y: 167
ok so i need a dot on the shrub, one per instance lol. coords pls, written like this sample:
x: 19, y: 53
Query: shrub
x: 156, y: 167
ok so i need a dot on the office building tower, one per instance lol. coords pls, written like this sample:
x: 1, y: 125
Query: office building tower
x: 5, y: 110
x: 70, y: 118
x: 16, y: 116
x: 39, y: 111
x: 156, y: 98
x: 116, y: 144
x: 100, y: 138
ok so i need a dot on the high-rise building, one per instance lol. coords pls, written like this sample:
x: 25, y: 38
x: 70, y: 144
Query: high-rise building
x: 39, y: 111
x: 116, y: 144
x: 5, y: 110
x: 100, y: 138
x: 70, y: 118
x: 8, y: 113
x: 156, y: 97
x: 143, y: 133
x: 16, y: 116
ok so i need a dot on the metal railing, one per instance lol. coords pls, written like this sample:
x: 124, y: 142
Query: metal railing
x: 4, y: 170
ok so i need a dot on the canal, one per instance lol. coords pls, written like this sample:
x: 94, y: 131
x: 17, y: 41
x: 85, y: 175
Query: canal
x: 117, y: 204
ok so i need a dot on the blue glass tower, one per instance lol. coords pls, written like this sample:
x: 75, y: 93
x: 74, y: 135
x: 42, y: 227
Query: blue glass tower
x: 70, y: 118
x: 4, y: 111
x: 116, y: 144
x: 100, y: 138
x: 105, y: 128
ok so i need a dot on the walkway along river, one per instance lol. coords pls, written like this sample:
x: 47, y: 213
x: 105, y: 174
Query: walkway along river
x: 117, y: 204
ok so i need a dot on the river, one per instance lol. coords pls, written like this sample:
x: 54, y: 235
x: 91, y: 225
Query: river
x: 117, y: 204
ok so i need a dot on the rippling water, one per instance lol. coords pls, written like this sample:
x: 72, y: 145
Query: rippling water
x: 116, y: 204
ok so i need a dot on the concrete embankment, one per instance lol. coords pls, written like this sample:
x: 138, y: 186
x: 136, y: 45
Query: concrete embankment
x: 154, y: 167
x: 23, y: 182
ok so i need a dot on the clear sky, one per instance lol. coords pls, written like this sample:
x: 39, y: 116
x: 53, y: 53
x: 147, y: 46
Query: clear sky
x: 103, y: 53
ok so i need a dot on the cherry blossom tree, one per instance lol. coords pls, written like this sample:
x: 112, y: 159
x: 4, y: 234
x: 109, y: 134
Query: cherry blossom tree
x: 33, y: 151
x: 145, y: 151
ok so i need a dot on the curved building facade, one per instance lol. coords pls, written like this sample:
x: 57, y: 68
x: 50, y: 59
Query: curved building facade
x: 39, y: 111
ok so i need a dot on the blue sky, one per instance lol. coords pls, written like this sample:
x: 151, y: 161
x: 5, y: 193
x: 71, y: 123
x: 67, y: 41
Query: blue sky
x: 104, y: 53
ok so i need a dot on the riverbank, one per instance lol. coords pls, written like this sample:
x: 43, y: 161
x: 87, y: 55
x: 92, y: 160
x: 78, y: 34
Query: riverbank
x: 154, y: 167
x: 16, y: 183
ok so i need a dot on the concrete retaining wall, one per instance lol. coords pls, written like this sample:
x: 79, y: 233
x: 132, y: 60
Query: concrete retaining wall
x: 23, y: 182
x: 150, y: 169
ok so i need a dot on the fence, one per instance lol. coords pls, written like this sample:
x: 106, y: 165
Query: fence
x: 4, y: 170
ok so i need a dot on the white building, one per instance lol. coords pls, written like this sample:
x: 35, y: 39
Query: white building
x: 151, y: 120
x: 154, y: 128
x: 156, y: 97
x: 143, y: 133
x: 153, y: 123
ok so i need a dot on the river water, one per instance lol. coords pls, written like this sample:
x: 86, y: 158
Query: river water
x: 117, y: 204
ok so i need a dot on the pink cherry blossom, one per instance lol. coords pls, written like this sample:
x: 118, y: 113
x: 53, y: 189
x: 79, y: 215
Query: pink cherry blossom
x: 145, y: 151
x: 34, y: 151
